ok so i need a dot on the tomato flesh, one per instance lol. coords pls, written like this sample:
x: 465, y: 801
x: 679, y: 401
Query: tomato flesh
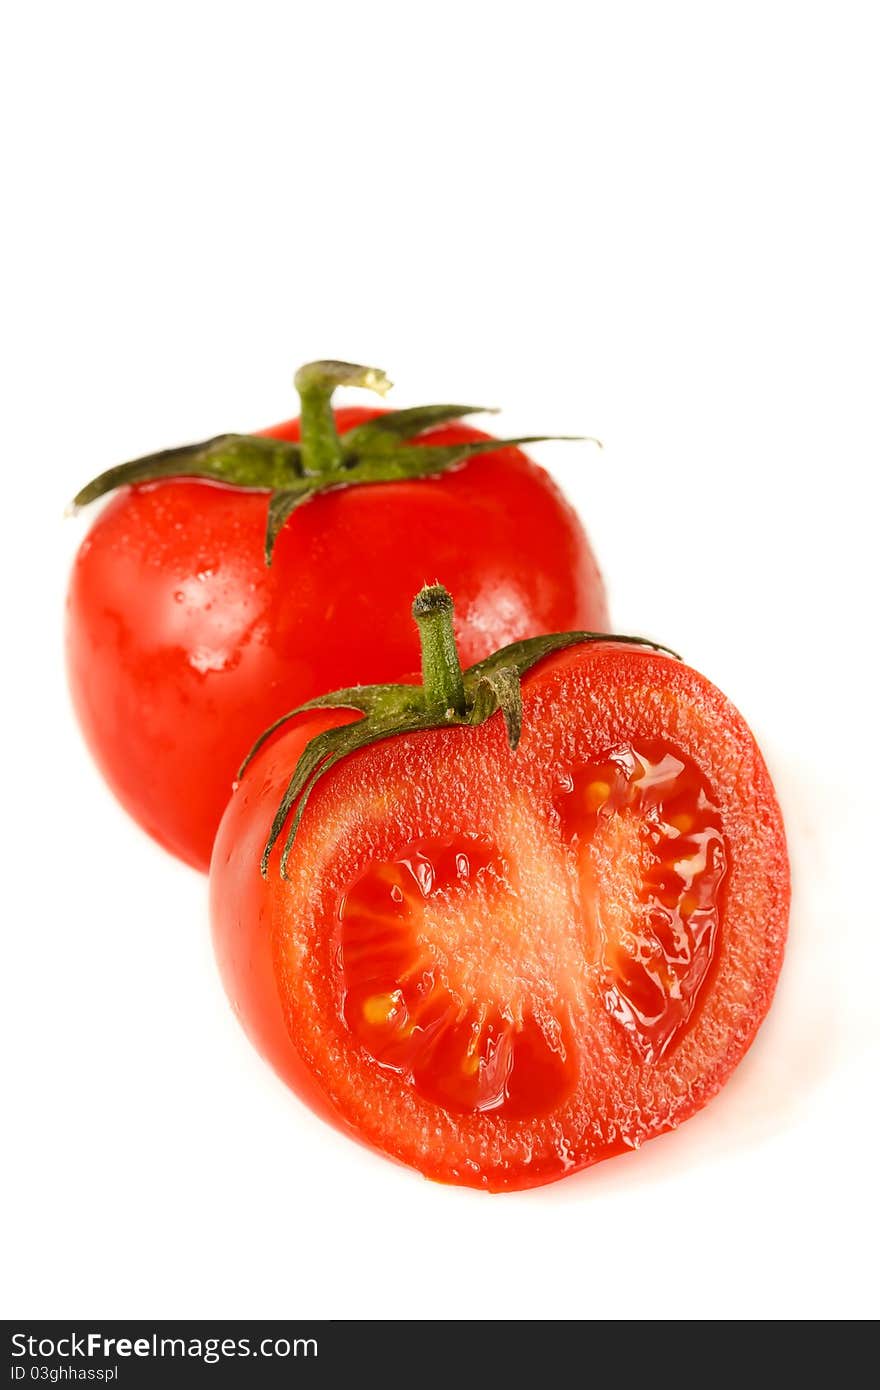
x: 413, y: 1006
x: 652, y: 860
x: 646, y: 834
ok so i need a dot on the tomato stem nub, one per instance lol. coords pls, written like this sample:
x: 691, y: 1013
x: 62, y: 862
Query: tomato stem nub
x: 441, y: 669
x: 389, y: 446
x: 322, y: 449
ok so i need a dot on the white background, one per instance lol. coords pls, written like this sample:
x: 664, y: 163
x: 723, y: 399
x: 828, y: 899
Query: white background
x: 654, y: 223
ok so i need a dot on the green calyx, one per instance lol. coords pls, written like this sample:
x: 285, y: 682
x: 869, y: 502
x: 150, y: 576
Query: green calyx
x: 385, y: 449
x: 448, y: 698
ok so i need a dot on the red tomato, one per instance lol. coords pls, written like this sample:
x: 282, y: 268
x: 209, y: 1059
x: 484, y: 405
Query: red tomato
x: 500, y: 967
x: 183, y: 645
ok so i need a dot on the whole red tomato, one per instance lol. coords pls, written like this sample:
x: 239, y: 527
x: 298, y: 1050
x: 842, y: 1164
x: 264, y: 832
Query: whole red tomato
x: 183, y: 644
x: 502, y: 963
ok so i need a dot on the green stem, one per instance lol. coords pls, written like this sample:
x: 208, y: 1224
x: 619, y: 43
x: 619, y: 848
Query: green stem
x: 316, y: 382
x: 441, y: 669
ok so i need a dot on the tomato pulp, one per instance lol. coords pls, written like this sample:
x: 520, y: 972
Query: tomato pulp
x: 182, y: 645
x: 500, y: 967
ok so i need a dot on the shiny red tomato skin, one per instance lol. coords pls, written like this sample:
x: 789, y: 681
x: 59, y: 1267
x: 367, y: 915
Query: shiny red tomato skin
x: 244, y: 940
x: 292, y: 1013
x: 182, y: 646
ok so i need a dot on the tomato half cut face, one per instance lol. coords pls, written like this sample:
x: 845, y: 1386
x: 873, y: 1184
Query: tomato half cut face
x: 500, y: 967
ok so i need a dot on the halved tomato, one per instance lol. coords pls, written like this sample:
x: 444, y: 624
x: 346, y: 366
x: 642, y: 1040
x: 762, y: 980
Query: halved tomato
x: 501, y: 966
